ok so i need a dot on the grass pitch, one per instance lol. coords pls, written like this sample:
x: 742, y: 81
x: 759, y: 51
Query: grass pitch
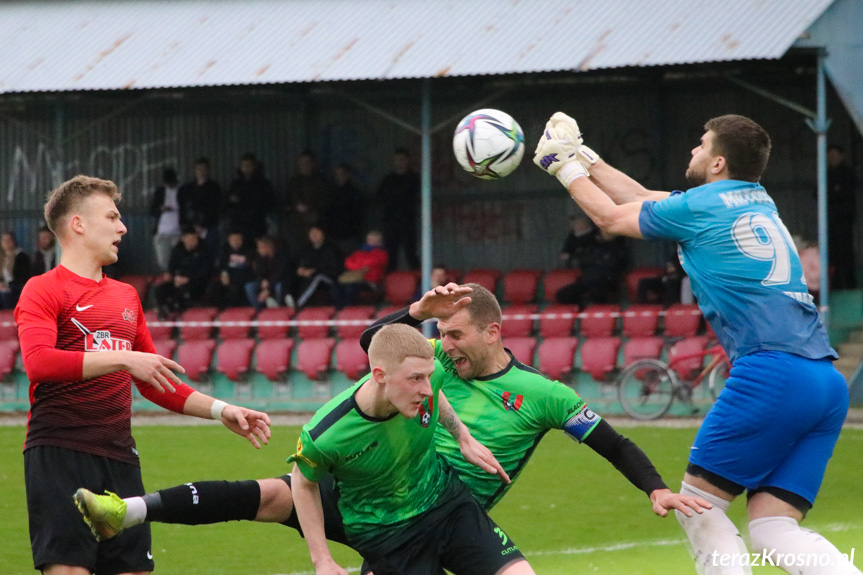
x: 571, y: 511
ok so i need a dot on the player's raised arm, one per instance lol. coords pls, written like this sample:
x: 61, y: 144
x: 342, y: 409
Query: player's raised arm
x: 307, y: 501
x: 474, y: 452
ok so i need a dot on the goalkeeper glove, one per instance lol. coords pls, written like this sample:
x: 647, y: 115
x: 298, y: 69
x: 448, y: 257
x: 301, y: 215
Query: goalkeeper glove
x: 557, y: 153
x: 566, y: 127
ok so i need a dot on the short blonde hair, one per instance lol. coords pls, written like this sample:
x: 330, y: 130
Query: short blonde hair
x: 68, y: 196
x: 483, y: 308
x: 392, y: 344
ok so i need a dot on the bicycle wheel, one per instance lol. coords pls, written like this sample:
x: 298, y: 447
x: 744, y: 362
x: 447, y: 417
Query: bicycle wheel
x: 716, y: 379
x: 646, y: 388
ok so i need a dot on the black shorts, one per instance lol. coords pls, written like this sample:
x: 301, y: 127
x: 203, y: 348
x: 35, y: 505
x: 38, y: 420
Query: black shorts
x: 458, y: 536
x: 334, y: 525
x: 58, y: 534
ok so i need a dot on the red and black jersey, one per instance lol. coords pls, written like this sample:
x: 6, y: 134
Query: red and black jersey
x: 61, y: 316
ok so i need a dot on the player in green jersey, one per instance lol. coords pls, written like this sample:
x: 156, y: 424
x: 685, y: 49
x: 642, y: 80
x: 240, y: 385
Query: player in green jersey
x: 404, y: 508
x: 505, y: 404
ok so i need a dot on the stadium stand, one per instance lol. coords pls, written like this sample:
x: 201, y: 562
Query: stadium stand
x: 649, y: 347
x: 165, y: 347
x: 636, y: 275
x: 314, y: 356
x: 486, y: 277
x: 274, y: 314
x: 234, y: 356
x: 157, y: 331
x: 682, y: 320
x: 9, y: 331
x: 354, y: 313
x: 197, y: 314
x: 599, y: 320
x: 551, y: 326
x: 8, y: 354
x: 556, y: 356
x: 522, y: 348
x: 688, y: 367
x: 238, y: 314
x: 323, y: 313
x: 520, y: 286
x: 599, y: 356
x: 351, y: 359
x: 196, y: 355
x: 556, y: 279
x: 273, y: 358
x: 641, y: 320
x: 512, y: 327
x: 400, y: 287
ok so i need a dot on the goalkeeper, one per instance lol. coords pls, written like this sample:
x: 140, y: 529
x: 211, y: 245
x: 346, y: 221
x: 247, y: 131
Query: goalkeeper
x: 749, y: 283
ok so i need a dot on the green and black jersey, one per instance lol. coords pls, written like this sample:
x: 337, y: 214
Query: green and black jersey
x: 509, y: 412
x: 386, y: 470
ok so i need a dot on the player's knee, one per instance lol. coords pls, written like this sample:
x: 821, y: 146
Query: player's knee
x: 277, y: 501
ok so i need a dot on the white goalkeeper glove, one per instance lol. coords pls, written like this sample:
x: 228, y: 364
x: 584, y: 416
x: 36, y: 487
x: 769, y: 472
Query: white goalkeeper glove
x: 567, y: 124
x: 561, y: 151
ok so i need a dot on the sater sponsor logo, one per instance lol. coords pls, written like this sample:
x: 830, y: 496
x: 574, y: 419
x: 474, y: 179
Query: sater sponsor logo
x: 101, y: 340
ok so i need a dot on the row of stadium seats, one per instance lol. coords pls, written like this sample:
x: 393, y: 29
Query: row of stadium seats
x: 518, y: 286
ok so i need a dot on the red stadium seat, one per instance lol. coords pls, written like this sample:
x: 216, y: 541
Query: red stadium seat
x: 141, y: 284
x: 165, y: 347
x: 599, y: 320
x: 234, y: 356
x: 355, y: 313
x: 400, y: 287
x: 599, y: 356
x: 9, y: 331
x: 556, y: 279
x: 387, y: 310
x: 641, y: 320
x: 157, y: 331
x: 512, y: 327
x: 520, y: 286
x: 686, y: 357
x: 274, y: 314
x: 351, y: 359
x: 635, y: 276
x: 8, y: 353
x: 682, y: 320
x: 313, y: 356
x: 197, y: 314
x: 556, y: 356
x: 522, y: 348
x: 487, y: 278
x: 235, y: 314
x: 195, y: 356
x: 273, y: 357
x: 316, y: 314
x: 551, y: 326
x: 642, y: 348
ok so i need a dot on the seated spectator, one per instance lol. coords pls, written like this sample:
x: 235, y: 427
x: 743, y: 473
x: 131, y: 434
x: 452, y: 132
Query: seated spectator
x: 437, y: 277
x: 189, y: 269
x: 272, y: 281
x: 14, y: 270
x: 45, y: 257
x: 319, y: 265
x: 344, y: 219
x: 666, y: 289
x: 235, y: 271
x: 602, y: 264
x: 365, y: 270
x: 810, y: 259
x: 579, y: 240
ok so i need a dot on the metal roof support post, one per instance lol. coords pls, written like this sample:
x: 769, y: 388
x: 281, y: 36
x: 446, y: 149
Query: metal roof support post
x: 819, y: 125
x: 425, y: 180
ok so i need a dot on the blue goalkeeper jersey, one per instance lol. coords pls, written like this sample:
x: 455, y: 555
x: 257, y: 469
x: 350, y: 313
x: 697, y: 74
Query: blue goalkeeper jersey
x: 743, y: 266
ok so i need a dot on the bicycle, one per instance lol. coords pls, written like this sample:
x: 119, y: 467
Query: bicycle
x: 648, y: 387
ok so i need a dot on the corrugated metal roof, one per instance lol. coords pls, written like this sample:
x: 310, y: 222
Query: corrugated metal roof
x: 74, y: 45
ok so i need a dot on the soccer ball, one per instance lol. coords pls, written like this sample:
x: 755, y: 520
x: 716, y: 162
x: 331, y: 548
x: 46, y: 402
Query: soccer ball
x: 488, y: 143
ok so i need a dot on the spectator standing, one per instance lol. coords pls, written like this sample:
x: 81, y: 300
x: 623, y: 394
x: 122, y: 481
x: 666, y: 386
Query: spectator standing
x: 45, y: 256
x: 309, y: 197
x: 580, y: 239
x: 601, y: 267
x: 250, y: 199
x: 365, y: 269
x: 14, y: 270
x: 271, y: 282
x: 189, y: 270
x: 399, y: 197
x: 841, y: 211
x: 320, y: 263
x: 200, y: 202
x: 165, y: 207
x: 344, y: 222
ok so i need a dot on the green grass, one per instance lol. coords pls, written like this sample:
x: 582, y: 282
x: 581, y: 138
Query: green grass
x: 570, y: 512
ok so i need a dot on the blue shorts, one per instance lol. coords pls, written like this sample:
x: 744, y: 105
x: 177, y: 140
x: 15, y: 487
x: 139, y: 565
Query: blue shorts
x: 775, y: 424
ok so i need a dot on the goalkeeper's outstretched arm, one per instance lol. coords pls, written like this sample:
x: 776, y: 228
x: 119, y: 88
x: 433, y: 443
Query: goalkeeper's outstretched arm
x: 621, y: 188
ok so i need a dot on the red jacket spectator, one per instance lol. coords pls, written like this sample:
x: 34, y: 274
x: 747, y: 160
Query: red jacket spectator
x: 372, y: 257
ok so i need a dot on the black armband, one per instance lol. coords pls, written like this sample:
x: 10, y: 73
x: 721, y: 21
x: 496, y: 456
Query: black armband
x: 401, y: 316
x: 626, y: 457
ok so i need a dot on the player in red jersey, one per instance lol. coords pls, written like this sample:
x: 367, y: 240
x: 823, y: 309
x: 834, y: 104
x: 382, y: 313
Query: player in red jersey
x: 79, y: 427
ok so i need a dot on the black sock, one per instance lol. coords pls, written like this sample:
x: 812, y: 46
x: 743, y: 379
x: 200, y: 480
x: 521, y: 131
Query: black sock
x: 204, y: 502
